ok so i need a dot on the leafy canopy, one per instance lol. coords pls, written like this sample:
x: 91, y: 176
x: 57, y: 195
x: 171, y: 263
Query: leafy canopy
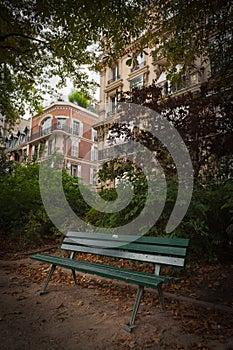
x: 42, y: 39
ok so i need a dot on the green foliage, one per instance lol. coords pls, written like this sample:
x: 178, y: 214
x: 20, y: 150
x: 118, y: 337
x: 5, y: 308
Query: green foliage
x: 23, y: 216
x: 71, y: 186
x: 6, y: 165
x: 192, y: 29
x: 40, y: 40
x: 118, y: 169
x: 78, y: 98
x: 208, y: 221
x: 19, y: 193
x: 37, y: 228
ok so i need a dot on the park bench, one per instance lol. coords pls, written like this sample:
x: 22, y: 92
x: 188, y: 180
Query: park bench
x: 156, y: 250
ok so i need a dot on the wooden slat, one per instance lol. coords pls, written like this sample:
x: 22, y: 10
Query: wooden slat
x: 182, y: 242
x: 103, y: 270
x: 141, y: 247
x: 158, y: 259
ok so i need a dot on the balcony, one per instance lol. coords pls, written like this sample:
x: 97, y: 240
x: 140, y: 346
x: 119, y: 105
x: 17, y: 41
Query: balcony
x: 111, y: 113
x: 159, y: 58
x: 114, y: 110
x: 48, y: 131
x: 138, y: 66
x: 173, y: 88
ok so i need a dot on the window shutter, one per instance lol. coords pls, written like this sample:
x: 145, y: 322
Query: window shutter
x: 91, y: 175
x: 79, y: 171
x: 80, y: 129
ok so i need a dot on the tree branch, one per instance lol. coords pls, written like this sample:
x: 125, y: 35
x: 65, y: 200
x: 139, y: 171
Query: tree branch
x: 4, y: 37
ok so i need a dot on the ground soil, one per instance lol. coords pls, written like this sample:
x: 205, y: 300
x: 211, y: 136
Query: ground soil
x: 91, y: 315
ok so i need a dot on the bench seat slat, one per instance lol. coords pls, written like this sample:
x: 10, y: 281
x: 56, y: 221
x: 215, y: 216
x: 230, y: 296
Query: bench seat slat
x: 128, y: 276
x: 156, y: 259
x: 182, y: 242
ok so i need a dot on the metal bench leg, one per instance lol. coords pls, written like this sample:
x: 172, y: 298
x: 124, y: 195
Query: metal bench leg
x: 161, y: 297
x: 53, y: 267
x: 131, y: 325
x: 74, y: 277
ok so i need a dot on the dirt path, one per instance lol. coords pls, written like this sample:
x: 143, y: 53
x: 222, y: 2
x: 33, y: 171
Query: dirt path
x: 80, y: 318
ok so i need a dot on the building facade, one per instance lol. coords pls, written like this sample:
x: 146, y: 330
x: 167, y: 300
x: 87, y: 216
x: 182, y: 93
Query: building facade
x: 64, y: 128
x: 146, y: 69
x: 16, y: 142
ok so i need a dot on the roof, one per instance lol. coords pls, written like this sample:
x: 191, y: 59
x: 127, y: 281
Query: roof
x: 23, y: 123
x: 72, y: 105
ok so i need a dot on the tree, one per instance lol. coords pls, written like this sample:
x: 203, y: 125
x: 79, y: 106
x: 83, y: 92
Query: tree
x: 42, y: 39
x: 6, y: 164
x: 205, y: 123
x: 23, y: 215
x: 78, y: 98
x: 203, y: 119
x: 182, y: 31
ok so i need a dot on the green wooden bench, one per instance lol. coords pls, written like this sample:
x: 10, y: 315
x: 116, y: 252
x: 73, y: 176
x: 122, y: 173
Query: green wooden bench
x: 156, y: 250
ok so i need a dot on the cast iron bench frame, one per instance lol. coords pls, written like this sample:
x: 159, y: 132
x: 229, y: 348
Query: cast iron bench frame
x: 157, y: 250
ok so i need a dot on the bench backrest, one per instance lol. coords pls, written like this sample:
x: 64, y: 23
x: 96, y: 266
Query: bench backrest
x: 157, y: 250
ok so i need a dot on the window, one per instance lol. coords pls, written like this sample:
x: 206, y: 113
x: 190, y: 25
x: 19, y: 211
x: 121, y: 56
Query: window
x: 23, y: 137
x: 170, y: 88
x: 73, y: 170
x: 46, y: 126
x: 113, y: 103
x: 140, y: 62
x: 94, y: 153
x: 114, y: 74
x: 75, y: 127
x: 15, y: 140
x: 93, y: 176
x: 74, y: 149
x: 112, y: 108
x: 137, y: 82
x: 94, y: 135
x: 50, y: 147
x: 35, y: 153
x: 61, y: 123
x: 79, y: 171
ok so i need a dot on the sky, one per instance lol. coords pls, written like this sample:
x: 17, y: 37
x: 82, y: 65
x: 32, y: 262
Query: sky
x: 65, y: 91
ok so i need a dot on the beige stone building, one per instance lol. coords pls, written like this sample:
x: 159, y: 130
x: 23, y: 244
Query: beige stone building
x: 149, y: 69
x: 120, y: 77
